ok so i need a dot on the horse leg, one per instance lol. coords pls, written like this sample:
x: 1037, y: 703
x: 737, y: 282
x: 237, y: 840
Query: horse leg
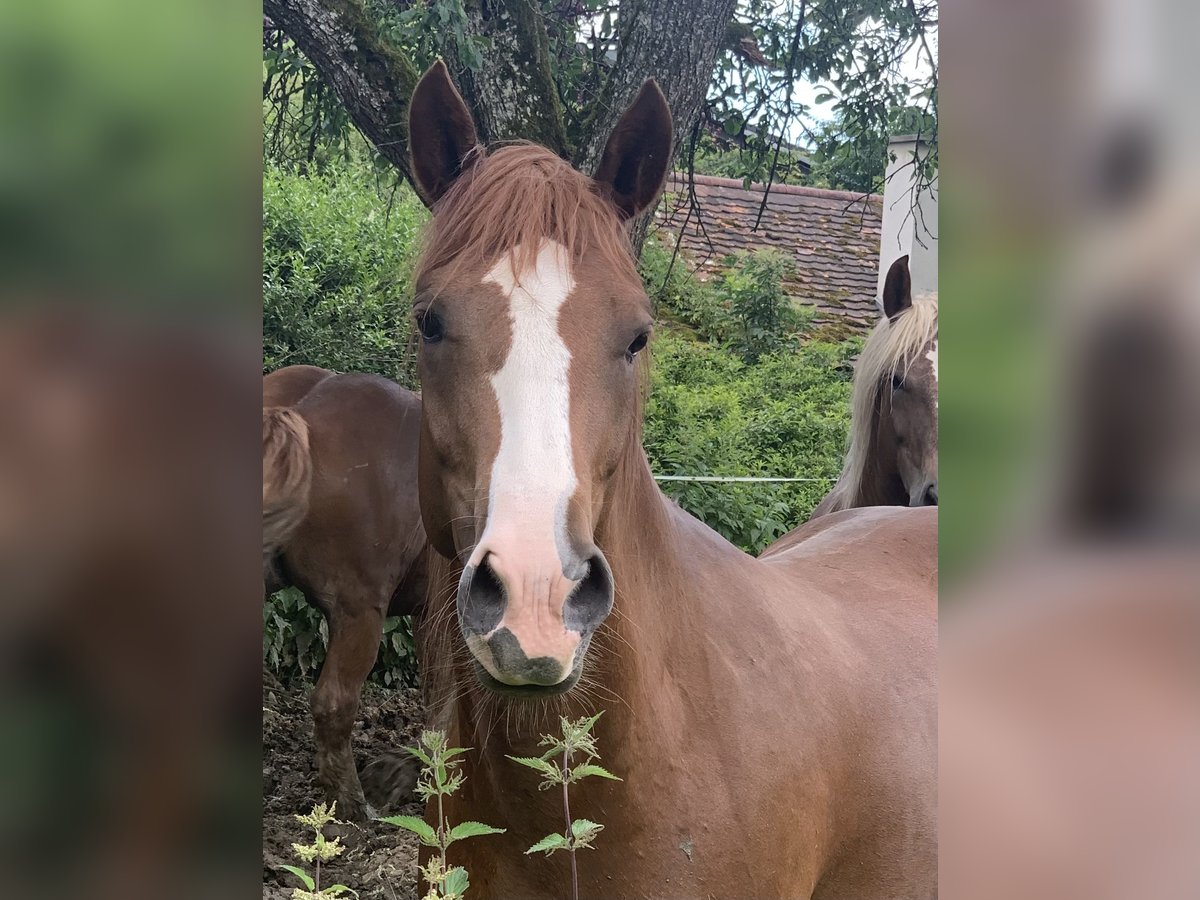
x: 354, y: 634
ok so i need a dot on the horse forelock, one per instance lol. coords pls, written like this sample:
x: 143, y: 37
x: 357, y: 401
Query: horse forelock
x: 892, y: 348
x: 513, y: 201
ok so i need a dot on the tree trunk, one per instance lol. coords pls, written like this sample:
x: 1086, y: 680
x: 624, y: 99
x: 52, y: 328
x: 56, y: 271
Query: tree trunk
x: 676, y: 42
x: 512, y: 94
x: 373, y: 80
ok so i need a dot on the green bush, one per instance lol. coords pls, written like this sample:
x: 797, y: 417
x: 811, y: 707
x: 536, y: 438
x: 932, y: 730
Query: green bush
x: 678, y: 295
x: 295, y: 638
x: 745, y: 309
x: 762, y: 318
x: 337, y: 263
x: 711, y: 413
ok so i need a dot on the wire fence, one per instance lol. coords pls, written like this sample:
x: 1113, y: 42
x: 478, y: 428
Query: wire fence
x: 737, y: 479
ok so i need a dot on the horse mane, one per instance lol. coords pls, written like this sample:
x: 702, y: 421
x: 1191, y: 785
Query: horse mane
x: 514, y: 199
x: 891, y: 348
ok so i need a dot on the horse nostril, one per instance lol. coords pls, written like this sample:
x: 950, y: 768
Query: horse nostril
x: 592, y: 600
x: 481, y: 599
x: 931, y: 495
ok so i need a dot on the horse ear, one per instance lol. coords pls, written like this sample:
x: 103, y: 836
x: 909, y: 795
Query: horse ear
x: 634, y: 165
x: 897, y: 289
x: 441, y: 133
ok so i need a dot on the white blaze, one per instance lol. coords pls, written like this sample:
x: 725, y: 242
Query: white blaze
x: 533, y: 476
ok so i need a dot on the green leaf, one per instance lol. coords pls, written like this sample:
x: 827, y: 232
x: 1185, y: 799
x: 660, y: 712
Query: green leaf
x: 548, y: 844
x: 417, y: 826
x: 420, y: 754
x: 539, y: 765
x: 584, y: 831
x: 589, y: 769
x: 336, y: 890
x: 456, y: 881
x: 302, y: 875
x: 472, y: 829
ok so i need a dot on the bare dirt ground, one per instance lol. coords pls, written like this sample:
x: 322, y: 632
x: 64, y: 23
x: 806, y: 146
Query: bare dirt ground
x: 380, y: 862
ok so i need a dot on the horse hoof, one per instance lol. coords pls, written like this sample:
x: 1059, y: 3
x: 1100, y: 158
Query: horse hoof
x: 353, y: 811
x: 389, y: 782
x: 350, y: 833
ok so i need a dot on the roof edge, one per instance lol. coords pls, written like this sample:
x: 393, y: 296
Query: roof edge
x: 800, y: 190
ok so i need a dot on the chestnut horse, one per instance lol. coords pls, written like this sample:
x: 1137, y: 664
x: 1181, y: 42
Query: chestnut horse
x: 892, y: 457
x: 342, y: 524
x: 774, y: 719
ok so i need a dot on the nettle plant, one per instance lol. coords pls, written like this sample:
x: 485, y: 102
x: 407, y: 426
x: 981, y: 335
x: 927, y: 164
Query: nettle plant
x: 570, y: 757
x: 319, y: 851
x: 440, y: 778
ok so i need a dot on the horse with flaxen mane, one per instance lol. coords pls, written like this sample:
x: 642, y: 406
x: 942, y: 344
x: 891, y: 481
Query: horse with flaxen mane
x: 774, y: 719
x: 342, y: 524
x: 892, y: 456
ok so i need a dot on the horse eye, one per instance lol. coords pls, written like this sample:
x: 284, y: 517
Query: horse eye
x: 897, y: 382
x: 430, y: 326
x: 638, y: 345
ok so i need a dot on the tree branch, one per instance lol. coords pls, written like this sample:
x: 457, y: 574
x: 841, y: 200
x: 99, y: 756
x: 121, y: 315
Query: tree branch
x: 372, y: 79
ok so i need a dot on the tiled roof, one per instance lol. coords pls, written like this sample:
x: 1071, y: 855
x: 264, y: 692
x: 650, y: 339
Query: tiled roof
x: 832, y: 235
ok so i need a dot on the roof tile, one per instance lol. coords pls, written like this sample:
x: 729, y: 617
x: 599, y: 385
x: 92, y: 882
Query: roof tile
x: 833, y: 237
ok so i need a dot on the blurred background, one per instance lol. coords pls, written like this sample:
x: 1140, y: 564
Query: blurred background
x: 130, y: 301
x: 1070, y: 728
x: 130, y: 626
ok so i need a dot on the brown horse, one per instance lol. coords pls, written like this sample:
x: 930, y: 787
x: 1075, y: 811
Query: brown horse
x: 339, y: 496
x: 773, y: 719
x: 892, y: 458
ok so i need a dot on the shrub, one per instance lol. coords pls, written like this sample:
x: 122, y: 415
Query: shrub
x: 711, y: 413
x: 295, y: 639
x: 678, y: 295
x: 762, y: 318
x: 337, y: 262
x: 745, y: 309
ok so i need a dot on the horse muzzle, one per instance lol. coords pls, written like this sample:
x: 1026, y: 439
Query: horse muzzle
x: 529, y: 625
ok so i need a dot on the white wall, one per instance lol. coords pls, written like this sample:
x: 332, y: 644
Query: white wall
x: 907, y: 228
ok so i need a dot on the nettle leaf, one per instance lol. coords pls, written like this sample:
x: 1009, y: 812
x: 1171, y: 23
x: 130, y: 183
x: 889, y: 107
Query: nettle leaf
x: 548, y: 844
x: 456, y: 881
x: 417, y: 826
x: 583, y: 831
x: 538, y: 765
x: 590, y: 769
x: 471, y: 829
x: 303, y: 876
x: 420, y: 754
